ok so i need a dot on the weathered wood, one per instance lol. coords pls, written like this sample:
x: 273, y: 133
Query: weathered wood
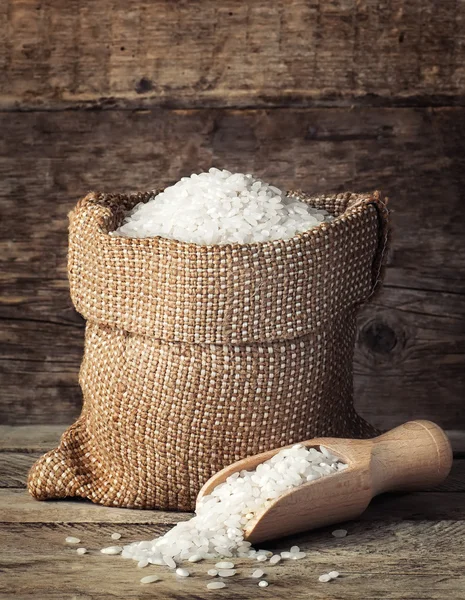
x: 29, y: 438
x: 410, y: 355
x: 17, y: 506
x: 40, y: 371
x: 402, y: 561
x: 404, y: 547
x: 408, y: 358
x: 41, y: 438
x: 15, y: 465
x: 57, y: 54
x: 429, y: 506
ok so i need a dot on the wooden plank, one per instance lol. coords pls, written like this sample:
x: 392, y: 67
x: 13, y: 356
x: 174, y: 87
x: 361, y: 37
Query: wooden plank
x: 376, y: 560
x: 429, y: 506
x: 146, y: 53
x: 410, y: 339
x: 40, y: 371
x: 14, y: 467
x: 29, y: 438
x: 41, y: 438
x: 410, y: 354
x: 17, y: 506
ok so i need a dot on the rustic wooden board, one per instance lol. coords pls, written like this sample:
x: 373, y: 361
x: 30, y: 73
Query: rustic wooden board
x: 14, y: 467
x: 204, y: 53
x: 17, y: 506
x: 402, y: 560
x: 410, y: 355
x: 404, y: 547
x: 29, y: 438
x: 444, y: 501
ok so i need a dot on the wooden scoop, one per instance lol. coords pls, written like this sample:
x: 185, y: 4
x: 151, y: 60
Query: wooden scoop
x: 414, y: 456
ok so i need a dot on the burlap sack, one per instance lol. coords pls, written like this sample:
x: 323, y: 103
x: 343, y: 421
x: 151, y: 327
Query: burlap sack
x: 197, y: 356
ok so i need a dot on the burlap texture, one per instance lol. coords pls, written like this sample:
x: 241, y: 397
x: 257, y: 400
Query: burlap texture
x: 197, y: 356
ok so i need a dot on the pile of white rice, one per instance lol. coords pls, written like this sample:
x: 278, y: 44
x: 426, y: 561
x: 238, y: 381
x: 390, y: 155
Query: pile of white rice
x: 220, y: 207
x: 217, y: 529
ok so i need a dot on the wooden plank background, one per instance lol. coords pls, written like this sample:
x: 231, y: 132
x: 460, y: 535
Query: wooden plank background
x: 61, y: 53
x: 324, y: 96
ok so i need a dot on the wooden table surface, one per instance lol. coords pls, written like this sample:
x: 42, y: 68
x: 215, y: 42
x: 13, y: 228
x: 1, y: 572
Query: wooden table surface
x: 405, y: 546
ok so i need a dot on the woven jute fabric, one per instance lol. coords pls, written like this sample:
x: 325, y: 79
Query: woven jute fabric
x: 198, y: 356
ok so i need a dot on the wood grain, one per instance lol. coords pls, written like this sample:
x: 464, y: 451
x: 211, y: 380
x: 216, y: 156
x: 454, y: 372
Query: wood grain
x: 29, y: 438
x: 404, y: 547
x: 410, y: 354
x: 40, y: 438
x: 14, y: 467
x: 17, y: 506
x: 60, y: 54
x: 388, y: 560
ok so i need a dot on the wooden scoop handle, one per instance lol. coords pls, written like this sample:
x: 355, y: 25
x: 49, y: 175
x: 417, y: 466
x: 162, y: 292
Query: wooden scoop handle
x: 414, y: 456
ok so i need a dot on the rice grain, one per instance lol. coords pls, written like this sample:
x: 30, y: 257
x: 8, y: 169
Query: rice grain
x: 224, y: 565
x: 216, y: 585
x: 258, y: 573
x: 339, y: 533
x: 112, y: 550
x: 150, y: 579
